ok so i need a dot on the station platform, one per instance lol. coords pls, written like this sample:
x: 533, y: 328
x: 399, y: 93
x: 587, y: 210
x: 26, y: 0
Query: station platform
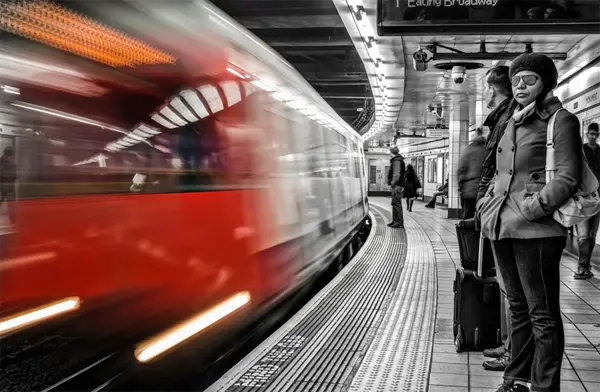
x: 384, y: 323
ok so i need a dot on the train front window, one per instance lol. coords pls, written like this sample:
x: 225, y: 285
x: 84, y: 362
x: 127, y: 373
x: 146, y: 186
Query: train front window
x: 93, y: 115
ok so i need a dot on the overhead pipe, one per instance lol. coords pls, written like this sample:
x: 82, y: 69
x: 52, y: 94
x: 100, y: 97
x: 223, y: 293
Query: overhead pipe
x: 483, y: 54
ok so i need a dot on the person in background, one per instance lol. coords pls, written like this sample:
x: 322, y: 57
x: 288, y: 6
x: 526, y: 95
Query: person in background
x: 469, y: 173
x: 442, y: 191
x: 396, y: 177
x: 498, y: 97
x: 516, y: 216
x: 586, y: 231
x: 8, y: 175
x: 411, y: 184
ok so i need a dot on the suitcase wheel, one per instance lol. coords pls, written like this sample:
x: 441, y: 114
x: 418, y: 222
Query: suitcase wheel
x: 477, y: 339
x: 459, y: 340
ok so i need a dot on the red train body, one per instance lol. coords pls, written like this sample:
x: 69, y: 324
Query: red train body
x: 148, y: 194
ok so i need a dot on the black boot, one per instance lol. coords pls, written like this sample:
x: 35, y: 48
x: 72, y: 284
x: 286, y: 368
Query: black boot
x: 408, y: 205
x: 411, y: 204
x: 586, y: 247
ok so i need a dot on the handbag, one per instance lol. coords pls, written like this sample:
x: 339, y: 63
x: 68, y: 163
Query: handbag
x: 585, y: 203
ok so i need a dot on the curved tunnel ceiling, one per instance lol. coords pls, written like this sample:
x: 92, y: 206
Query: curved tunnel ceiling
x: 311, y: 36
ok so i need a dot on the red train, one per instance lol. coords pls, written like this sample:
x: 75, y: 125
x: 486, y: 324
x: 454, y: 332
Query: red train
x: 171, y: 171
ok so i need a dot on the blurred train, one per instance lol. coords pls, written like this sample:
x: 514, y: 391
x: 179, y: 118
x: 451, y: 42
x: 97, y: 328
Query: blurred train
x: 171, y: 171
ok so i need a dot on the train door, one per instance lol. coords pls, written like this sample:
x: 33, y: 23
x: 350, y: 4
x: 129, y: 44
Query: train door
x: 372, y: 174
x: 421, y: 175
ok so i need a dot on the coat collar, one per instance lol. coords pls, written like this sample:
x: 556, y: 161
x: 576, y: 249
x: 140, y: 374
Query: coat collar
x: 494, y: 116
x: 544, y: 109
x: 547, y: 107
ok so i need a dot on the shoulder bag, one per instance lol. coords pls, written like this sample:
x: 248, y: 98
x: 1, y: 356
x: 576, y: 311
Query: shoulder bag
x: 585, y: 203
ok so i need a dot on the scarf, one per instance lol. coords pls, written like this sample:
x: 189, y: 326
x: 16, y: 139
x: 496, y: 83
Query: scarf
x: 520, y: 115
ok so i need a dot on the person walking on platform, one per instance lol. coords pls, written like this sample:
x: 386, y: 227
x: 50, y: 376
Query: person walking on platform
x: 396, y: 177
x: 442, y: 191
x: 469, y: 172
x: 411, y: 184
x: 499, y: 97
x: 516, y: 215
x: 586, y: 231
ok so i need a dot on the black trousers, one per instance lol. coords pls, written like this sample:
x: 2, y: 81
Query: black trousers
x: 468, y: 207
x: 531, y: 276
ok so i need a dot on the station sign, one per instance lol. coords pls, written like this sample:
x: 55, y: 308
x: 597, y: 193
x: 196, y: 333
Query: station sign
x: 475, y: 17
x: 437, y: 133
x: 586, y: 101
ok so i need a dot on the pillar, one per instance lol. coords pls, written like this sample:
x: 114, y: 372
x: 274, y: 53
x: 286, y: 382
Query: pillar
x: 458, y: 138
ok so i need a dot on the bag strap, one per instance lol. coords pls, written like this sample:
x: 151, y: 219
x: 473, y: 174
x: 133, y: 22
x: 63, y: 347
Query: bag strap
x: 550, y: 161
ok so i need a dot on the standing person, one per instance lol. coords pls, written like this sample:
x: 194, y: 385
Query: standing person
x: 396, y: 181
x: 586, y: 231
x: 469, y: 173
x: 411, y: 184
x: 8, y: 175
x: 498, y: 97
x: 516, y: 215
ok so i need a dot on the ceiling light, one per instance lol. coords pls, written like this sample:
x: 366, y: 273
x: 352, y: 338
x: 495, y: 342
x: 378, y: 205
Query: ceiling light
x: 148, y: 129
x: 195, y: 103
x: 132, y: 135
x: 11, y: 90
x: 183, y: 110
x: 67, y: 116
x: 172, y: 116
x: 236, y: 73
x: 56, y: 26
x: 163, y: 121
x: 156, y: 346
x: 232, y: 92
x: 262, y: 85
x: 212, y: 97
x: 33, y: 316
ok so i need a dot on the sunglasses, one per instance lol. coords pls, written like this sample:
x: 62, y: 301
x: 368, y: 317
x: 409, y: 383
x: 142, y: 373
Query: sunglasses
x: 529, y: 80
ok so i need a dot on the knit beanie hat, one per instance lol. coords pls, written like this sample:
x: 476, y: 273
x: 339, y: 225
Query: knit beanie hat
x: 538, y: 63
x: 394, y: 150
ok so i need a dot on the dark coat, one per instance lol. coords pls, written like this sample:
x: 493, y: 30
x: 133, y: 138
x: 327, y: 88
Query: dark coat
x: 519, y: 203
x: 397, y: 171
x: 469, y: 168
x: 496, y: 121
x: 411, y: 184
x: 592, y: 156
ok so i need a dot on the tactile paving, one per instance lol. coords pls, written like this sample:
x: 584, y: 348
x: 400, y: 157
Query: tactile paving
x: 399, y: 358
x: 322, y: 346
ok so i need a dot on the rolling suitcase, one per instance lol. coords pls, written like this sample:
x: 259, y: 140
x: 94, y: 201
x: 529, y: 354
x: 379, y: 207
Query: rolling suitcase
x: 476, y: 302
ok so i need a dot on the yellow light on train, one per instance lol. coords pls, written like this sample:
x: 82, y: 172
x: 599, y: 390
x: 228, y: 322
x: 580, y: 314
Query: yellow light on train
x: 34, y: 316
x: 56, y: 26
x: 153, y: 347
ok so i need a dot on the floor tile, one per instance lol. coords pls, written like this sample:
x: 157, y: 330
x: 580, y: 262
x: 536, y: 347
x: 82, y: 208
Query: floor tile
x: 460, y: 380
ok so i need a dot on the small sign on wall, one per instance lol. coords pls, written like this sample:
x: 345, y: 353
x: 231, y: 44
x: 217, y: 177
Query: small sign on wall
x: 585, y: 101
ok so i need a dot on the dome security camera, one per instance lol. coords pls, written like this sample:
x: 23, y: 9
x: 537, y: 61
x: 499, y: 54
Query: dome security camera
x: 459, y: 74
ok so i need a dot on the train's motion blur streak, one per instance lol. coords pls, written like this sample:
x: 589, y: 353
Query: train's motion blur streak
x: 163, y: 170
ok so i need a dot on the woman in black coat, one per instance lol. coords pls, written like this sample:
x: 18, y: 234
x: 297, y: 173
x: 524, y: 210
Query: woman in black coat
x: 411, y: 184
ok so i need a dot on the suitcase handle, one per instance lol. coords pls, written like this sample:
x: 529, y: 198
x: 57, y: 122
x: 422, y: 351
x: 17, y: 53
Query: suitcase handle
x: 480, y: 258
x: 479, y: 273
